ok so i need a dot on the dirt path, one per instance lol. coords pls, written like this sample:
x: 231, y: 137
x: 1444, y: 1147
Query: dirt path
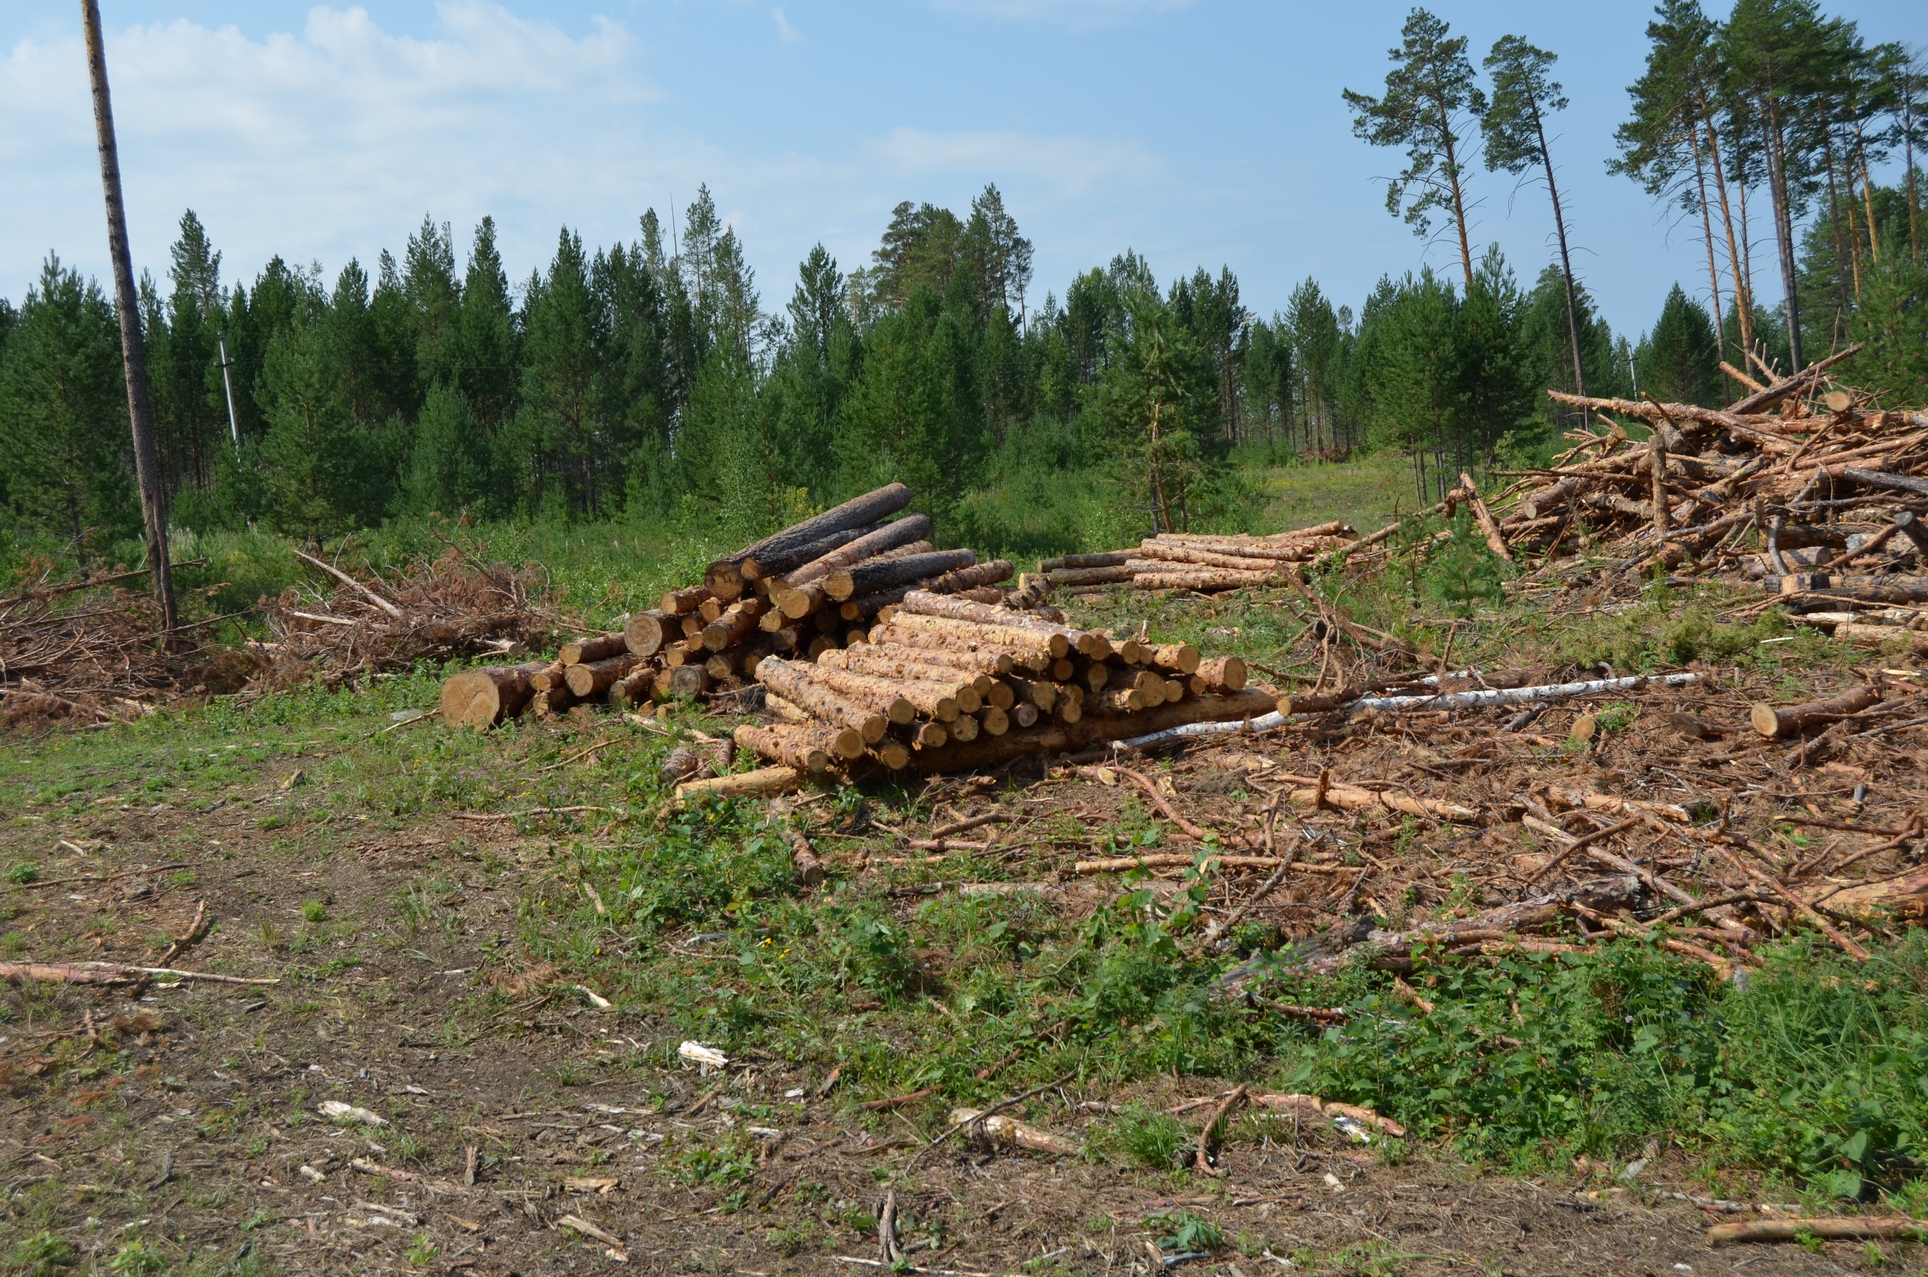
x: 181, y: 1121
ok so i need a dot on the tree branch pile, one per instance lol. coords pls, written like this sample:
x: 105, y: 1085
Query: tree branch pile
x: 82, y: 654
x: 1802, y: 486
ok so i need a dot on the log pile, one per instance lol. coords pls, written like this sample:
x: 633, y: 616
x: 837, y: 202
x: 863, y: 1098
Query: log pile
x: 943, y: 683
x: 1198, y: 562
x: 810, y: 589
x: 1803, y: 487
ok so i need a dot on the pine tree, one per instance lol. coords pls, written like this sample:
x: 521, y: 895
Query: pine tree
x: 1678, y: 362
x: 1315, y: 339
x: 488, y: 356
x: 63, y: 417
x: 322, y: 472
x: 1430, y: 97
x: 561, y: 432
x: 1515, y: 131
x: 190, y: 406
x: 452, y: 468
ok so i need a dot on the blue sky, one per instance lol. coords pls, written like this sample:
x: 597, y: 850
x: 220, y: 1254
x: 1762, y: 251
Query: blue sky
x: 1197, y: 132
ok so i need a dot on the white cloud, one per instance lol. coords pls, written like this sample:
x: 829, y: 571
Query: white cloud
x: 1075, y: 13
x: 785, y: 32
x: 316, y: 142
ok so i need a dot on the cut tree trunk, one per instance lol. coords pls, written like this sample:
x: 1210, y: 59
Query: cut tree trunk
x: 689, y: 680
x: 481, y: 698
x: 738, y: 620
x: 878, y: 665
x: 593, y: 680
x: 1074, y: 562
x: 759, y: 783
x: 644, y: 634
x: 1220, y: 674
x: 1484, y: 517
x: 677, y: 602
x: 599, y: 647
x: 804, y: 748
x: 1205, y: 580
x: 1181, y: 658
x: 633, y: 688
x: 725, y: 577
x: 763, y: 566
x: 971, y: 578
x: 878, y: 541
x: 1017, y: 639
x: 926, y: 603
x: 793, y: 682
x: 1790, y: 720
x: 885, y: 574
x: 1109, y: 575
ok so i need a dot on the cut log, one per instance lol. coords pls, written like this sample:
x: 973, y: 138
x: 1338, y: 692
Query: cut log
x: 1122, y: 700
x: 808, y: 749
x: 1836, y: 1228
x: 1789, y: 720
x: 644, y: 634
x: 769, y: 565
x: 725, y: 576
x: 632, y: 688
x: 994, y: 721
x: 677, y: 602
x: 975, y: 577
x: 1110, y: 575
x: 1025, y: 715
x: 591, y: 681
x: 999, y: 697
x: 689, y: 680
x: 894, y: 755
x: 1032, y: 691
x: 1155, y: 555
x: 940, y: 643
x: 862, y: 660
x: 1220, y: 674
x: 1352, y: 798
x: 928, y: 603
x: 1053, y: 640
x: 1880, y: 635
x: 483, y: 697
x: 719, y: 667
x: 929, y: 736
x: 733, y: 624
x: 1076, y: 562
x: 795, y: 684
x: 1182, y: 658
x: 557, y: 700
x: 1881, y: 479
x: 881, y: 540
x: 1205, y: 580
x: 972, y: 663
x: 596, y: 648
x: 964, y: 730
x: 1484, y: 517
x: 886, y: 574
x: 755, y: 784
x: 549, y: 677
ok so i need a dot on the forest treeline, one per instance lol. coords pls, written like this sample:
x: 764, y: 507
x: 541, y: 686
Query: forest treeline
x: 650, y: 379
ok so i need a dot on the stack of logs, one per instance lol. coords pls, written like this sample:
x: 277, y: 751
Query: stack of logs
x: 807, y: 590
x: 1804, y: 488
x: 1194, y: 561
x: 946, y: 684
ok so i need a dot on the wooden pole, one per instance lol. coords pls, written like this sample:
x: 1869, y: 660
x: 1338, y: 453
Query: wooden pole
x: 147, y: 466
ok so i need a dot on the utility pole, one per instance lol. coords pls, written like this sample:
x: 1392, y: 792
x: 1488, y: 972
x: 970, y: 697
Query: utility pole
x: 227, y: 384
x: 140, y: 411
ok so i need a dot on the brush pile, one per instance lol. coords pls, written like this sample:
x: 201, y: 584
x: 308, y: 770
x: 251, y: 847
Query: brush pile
x: 810, y: 589
x: 944, y: 684
x: 1201, y: 563
x: 439, y: 608
x: 1799, y: 486
x: 69, y: 658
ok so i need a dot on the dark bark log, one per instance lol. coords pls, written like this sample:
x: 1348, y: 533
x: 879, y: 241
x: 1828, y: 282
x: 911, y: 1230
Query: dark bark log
x: 725, y: 577
x: 885, y: 574
x: 772, y: 564
x: 880, y: 540
x: 1788, y: 720
x: 971, y: 578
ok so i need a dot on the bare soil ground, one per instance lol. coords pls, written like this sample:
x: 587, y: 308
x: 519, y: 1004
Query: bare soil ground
x: 180, y: 1121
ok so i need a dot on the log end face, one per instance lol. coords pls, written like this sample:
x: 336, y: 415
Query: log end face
x: 1766, y: 721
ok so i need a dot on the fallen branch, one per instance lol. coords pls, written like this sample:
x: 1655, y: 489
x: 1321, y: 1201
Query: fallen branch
x: 1791, y: 1230
x: 114, y: 973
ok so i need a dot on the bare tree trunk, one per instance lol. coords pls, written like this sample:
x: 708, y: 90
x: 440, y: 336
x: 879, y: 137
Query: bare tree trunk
x: 1452, y: 177
x: 140, y: 411
x: 1566, y: 262
x: 1707, y: 234
x: 1743, y: 285
x: 1784, y: 232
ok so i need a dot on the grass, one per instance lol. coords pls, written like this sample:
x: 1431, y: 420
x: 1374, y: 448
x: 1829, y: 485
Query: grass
x: 1815, y: 1075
